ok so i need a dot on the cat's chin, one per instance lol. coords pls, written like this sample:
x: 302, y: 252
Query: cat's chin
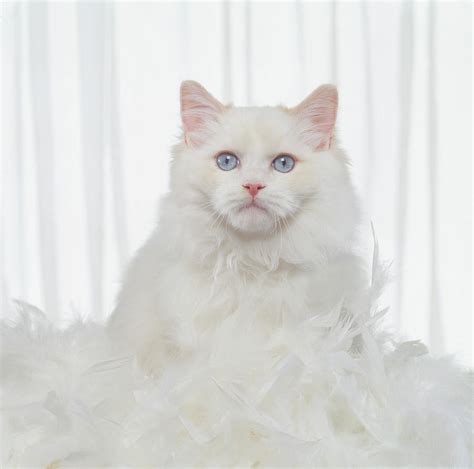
x: 252, y: 219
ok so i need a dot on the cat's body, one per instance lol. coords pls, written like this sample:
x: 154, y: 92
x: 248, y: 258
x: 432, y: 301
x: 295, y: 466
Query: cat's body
x: 213, y: 254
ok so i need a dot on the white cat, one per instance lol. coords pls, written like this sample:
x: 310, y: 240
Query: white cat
x: 259, y: 220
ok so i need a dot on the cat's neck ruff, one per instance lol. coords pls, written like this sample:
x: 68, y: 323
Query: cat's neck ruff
x: 303, y: 243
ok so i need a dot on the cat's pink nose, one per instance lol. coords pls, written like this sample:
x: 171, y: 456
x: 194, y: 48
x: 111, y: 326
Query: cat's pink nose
x: 253, y: 188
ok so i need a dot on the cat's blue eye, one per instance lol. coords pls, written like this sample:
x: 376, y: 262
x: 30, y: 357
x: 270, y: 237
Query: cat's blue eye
x: 283, y: 163
x: 227, y: 161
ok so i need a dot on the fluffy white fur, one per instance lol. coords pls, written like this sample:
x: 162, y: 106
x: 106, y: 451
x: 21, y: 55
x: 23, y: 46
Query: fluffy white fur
x: 241, y: 337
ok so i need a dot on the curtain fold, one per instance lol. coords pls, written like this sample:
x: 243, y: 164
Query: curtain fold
x: 45, y: 168
x: 405, y: 79
x: 90, y: 110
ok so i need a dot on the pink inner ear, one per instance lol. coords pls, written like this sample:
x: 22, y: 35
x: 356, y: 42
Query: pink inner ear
x: 198, y: 109
x: 192, y: 118
x: 319, y: 111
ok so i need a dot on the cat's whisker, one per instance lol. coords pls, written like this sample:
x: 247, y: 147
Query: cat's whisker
x: 281, y: 234
x: 219, y: 221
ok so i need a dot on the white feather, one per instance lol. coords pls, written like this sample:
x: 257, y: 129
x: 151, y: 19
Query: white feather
x: 303, y: 396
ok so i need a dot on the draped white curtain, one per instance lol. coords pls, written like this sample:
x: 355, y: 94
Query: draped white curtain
x: 90, y: 110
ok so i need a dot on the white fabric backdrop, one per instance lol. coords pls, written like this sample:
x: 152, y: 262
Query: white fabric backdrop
x: 90, y: 110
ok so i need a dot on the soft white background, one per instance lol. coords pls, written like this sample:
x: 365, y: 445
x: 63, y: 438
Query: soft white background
x: 90, y: 110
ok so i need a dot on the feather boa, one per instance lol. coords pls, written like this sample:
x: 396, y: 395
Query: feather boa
x: 333, y: 390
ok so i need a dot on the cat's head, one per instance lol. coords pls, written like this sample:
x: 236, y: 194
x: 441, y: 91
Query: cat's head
x: 257, y: 169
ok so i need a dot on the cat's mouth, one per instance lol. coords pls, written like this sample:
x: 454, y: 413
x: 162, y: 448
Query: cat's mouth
x: 251, y: 216
x: 252, y: 205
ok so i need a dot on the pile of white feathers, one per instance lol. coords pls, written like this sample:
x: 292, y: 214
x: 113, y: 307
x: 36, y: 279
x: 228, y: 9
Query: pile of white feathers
x: 333, y: 390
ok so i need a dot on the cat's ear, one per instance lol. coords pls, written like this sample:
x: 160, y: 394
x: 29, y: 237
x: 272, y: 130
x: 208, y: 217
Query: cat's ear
x: 317, y: 116
x: 199, y: 111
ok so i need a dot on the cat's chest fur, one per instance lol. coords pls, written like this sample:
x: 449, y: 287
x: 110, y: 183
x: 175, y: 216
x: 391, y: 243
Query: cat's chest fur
x: 205, y: 292
x: 184, y: 289
x: 190, y: 304
x: 179, y: 289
